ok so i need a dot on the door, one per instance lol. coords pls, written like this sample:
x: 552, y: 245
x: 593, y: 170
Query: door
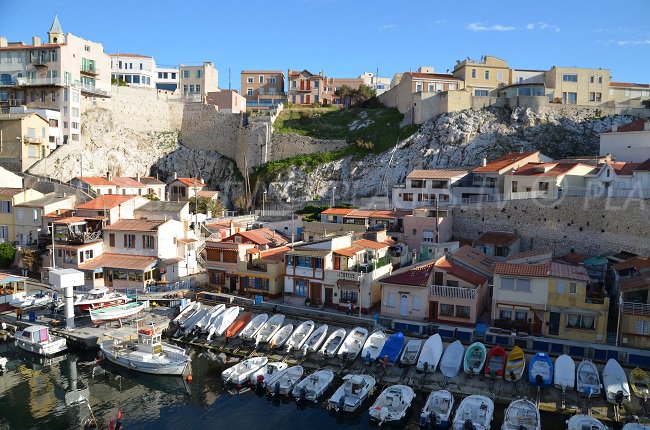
x: 437, y: 278
x: 404, y: 305
x: 329, y: 292
x: 315, y: 293
x: 233, y: 284
x: 308, y: 99
x: 553, y: 324
x: 433, y: 311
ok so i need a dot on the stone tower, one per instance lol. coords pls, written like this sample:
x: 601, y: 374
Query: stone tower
x: 55, y: 35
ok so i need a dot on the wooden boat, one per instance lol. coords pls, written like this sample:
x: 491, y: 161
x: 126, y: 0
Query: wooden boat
x: 186, y: 312
x: 313, y: 386
x: 588, y: 379
x: 392, y: 348
x: 584, y: 422
x: 475, y: 412
x: 617, y: 388
x: 281, y: 336
x: 411, y: 352
x: 269, y: 329
x: 495, y: 362
x: 37, y: 339
x: 437, y: 410
x: 352, y: 393
x: 452, y: 359
x: 253, y: 326
x: 640, y: 383
x: 353, y: 343
x: 333, y: 343
x: 564, y: 373
x: 540, y: 370
x: 521, y: 414
x: 240, y: 372
x: 237, y: 325
x: 300, y: 335
x: 117, y: 312
x: 315, y: 340
x: 392, y: 404
x: 98, y: 298
x: 373, y: 346
x: 284, y: 380
x: 515, y: 365
x: 224, y: 320
x: 474, y: 358
x: 262, y: 375
x: 430, y: 355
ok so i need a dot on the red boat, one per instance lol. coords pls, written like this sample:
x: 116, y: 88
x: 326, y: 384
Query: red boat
x: 238, y: 324
x: 97, y: 298
x: 495, y: 362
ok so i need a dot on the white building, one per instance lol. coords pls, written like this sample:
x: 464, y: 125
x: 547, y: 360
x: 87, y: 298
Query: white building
x: 167, y: 78
x: 134, y: 69
x: 427, y: 187
x: 629, y: 142
x: 379, y: 84
x: 52, y: 116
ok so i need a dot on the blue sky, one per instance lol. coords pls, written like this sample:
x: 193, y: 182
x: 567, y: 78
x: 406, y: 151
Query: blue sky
x: 346, y: 37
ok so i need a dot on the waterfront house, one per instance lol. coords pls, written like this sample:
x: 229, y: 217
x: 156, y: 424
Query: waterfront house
x: 634, y: 303
x: 428, y: 187
x: 28, y: 216
x: 138, y: 185
x: 262, y: 238
x: 498, y: 244
x: 262, y: 272
x: 221, y: 259
x: 263, y: 88
x: 474, y: 260
x: 9, y: 198
x: 10, y: 286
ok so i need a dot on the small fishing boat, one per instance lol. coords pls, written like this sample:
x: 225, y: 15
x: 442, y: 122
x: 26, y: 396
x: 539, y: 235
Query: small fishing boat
x: 186, y: 312
x: 636, y: 426
x: 37, y: 339
x: 474, y: 358
x: 117, y: 312
x: 281, y: 336
x: 315, y: 339
x: 475, y: 412
x: 584, y: 422
x: 253, y: 326
x: 240, y: 372
x: 204, y: 323
x: 373, y: 346
x: 32, y: 301
x: 241, y: 322
x: 352, y: 393
x: 333, y: 343
x: 430, y: 354
x: 3, y: 363
x: 615, y: 381
x: 495, y: 362
x: 588, y: 379
x: 521, y: 414
x: 260, y: 376
x: 640, y: 383
x: 223, y: 321
x: 300, y: 335
x: 564, y: 373
x: 98, y: 298
x: 392, y: 404
x: 452, y: 359
x: 540, y: 370
x: 269, y: 329
x: 515, y: 365
x: 284, y: 380
x: 188, y: 325
x: 437, y: 410
x: 313, y: 386
x: 411, y: 352
x: 353, y: 343
x: 392, y: 348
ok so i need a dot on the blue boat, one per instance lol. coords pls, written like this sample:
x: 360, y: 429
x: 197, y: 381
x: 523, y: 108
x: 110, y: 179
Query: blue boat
x: 540, y: 371
x: 393, y: 346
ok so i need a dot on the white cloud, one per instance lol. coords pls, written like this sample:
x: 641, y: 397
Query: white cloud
x: 386, y: 27
x: 632, y: 42
x: 542, y: 26
x: 477, y: 26
x: 612, y: 30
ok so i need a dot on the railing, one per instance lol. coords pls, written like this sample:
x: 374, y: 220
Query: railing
x: 256, y: 267
x: 32, y: 139
x: 640, y: 309
x: 89, y: 70
x: 346, y: 275
x: 79, y: 238
x: 454, y: 292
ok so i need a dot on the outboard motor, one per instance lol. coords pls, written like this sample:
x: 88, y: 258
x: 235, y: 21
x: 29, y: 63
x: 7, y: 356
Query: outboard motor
x: 468, y: 425
x: 432, y: 420
x: 425, y: 367
x: 512, y: 375
x: 303, y: 394
x: 367, y: 358
x: 539, y: 380
x: 341, y: 403
x: 260, y: 380
x: 618, y: 399
x: 424, y: 422
x: 276, y: 390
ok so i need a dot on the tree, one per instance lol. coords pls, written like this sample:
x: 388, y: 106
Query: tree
x: 205, y: 205
x: 354, y: 97
x: 29, y: 257
x: 7, y: 254
x: 152, y: 197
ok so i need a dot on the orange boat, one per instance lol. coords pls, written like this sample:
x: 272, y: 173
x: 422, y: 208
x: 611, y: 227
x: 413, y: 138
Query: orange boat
x: 239, y: 324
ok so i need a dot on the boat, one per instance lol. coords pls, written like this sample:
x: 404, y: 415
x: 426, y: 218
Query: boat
x: 495, y: 362
x: 411, y: 352
x: 260, y: 376
x: 615, y: 382
x: 333, y: 343
x: 640, y: 383
x: 636, y: 426
x: 475, y: 412
x: 373, y: 346
x: 284, y: 380
x: 452, y: 359
x: 204, y: 323
x: 584, y: 422
x: 186, y: 312
x: 392, y: 404
x: 269, y: 329
x: 515, y: 365
x: 98, y: 297
x: 474, y: 358
x: 313, y: 386
x: 540, y: 370
x: 253, y: 326
x: 240, y: 372
x: 430, y: 354
x: 437, y: 410
x: 31, y: 301
x: 241, y: 322
x: 352, y: 393
x: 521, y: 414
x: 281, y: 336
x: 223, y: 321
x: 588, y: 380
x: 188, y: 325
x: 3, y: 363
x: 37, y: 339
x: 564, y: 373
x: 315, y: 339
x: 353, y: 343
x: 300, y: 335
x: 117, y: 312
x: 149, y: 354
x: 391, y: 349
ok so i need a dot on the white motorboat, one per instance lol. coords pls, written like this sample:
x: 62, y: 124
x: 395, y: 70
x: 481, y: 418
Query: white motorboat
x: 253, y: 326
x: 262, y: 375
x: 333, y: 343
x: 353, y: 343
x: 475, y: 412
x: 269, y: 329
x: 148, y: 354
x: 584, y: 422
x: 392, y: 404
x: 588, y: 379
x: 521, y: 414
x: 281, y: 336
x: 313, y: 386
x: 241, y: 372
x: 430, y: 354
x: 615, y: 380
x: 300, y: 335
x: 3, y: 363
x: 223, y: 321
x: 204, y: 323
x: 32, y: 301
x: 352, y: 393
x: 373, y: 346
x: 115, y: 313
x: 564, y: 374
x: 37, y: 339
x: 452, y: 360
x: 636, y: 426
x: 411, y: 352
x: 188, y: 324
x: 186, y: 312
x: 436, y: 412
x: 98, y: 298
x: 284, y: 380
x: 315, y: 340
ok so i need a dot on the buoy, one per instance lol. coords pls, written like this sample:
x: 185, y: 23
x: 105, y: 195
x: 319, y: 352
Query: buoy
x: 189, y: 378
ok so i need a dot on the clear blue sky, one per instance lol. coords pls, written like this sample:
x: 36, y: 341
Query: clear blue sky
x: 347, y: 37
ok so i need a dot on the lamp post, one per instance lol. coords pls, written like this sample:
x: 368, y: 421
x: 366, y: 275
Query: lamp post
x: 618, y: 324
x: 333, y: 191
x: 263, y: 203
x: 292, y: 224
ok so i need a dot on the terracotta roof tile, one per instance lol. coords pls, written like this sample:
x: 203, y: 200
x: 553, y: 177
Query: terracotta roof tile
x: 70, y: 220
x: 635, y: 282
x: 569, y: 271
x: 638, y: 125
x: 365, y: 243
x: 446, y: 265
x: 207, y: 193
x: 416, y: 276
x: 628, y: 84
x: 191, y: 182
x: 10, y: 191
x: 106, y: 201
x: 125, y: 181
x: 130, y: 55
x: 643, y: 167
x: 95, y: 180
x: 545, y: 169
x: 260, y: 236
x: 524, y: 270
x: 119, y: 261
x: 275, y: 254
x: 437, y: 173
x: 350, y: 251
x: 503, y: 162
x: 135, y: 225
x: 497, y: 238
x: 337, y: 211
x: 441, y: 76
x: 474, y: 258
x: 637, y: 263
x: 149, y: 180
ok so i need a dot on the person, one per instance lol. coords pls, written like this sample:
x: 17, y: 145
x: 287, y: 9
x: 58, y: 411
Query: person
x: 19, y: 313
x: 349, y: 311
x: 354, y: 309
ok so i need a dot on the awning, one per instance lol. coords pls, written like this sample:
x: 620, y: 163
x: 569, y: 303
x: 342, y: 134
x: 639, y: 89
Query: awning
x: 346, y: 283
x: 120, y: 261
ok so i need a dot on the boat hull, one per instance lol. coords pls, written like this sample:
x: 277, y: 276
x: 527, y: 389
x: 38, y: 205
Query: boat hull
x: 115, y: 313
x: 132, y: 362
x: 49, y: 349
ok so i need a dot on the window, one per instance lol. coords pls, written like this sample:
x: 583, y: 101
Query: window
x: 586, y: 322
x: 487, y: 75
x: 249, y: 79
x: 173, y: 75
x: 53, y: 96
x: 54, y: 123
x: 147, y: 242
x: 75, y: 112
x: 643, y: 327
x: 5, y: 207
x: 418, y: 87
x: 261, y: 79
x: 521, y: 315
x: 185, y: 74
x: 499, y: 75
x: 462, y: 312
x: 198, y: 88
x: 184, y: 89
x: 428, y: 236
x: 349, y: 296
x: 570, y: 77
x: 481, y: 93
x: 198, y: 74
x: 129, y: 240
x: 430, y: 88
x: 592, y: 79
x: 111, y: 239
x: 391, y: 300
x: 89, y: 254
x: 523, y: 285
x: 217, y: 278
x: 600, y: 79
x: 87, y: 48
x: 501, y: 251
x: 75, y: 125
x: 191, y: 88
x: 408, y: 197
x: 570, y: 98
x: 293, y: 85
x: 160, y: 75
x: 140, y: 66
x: 573, y: 287
x: 272, y: 80
x: 447, y: 310
x: 473, y: 73
x: 417, y: 303
x: 301, y: 287
x: 249, y: 92
x: 543, y: 186
x: 505, y: 314
x: 507, y: 284
x: 514, y: 186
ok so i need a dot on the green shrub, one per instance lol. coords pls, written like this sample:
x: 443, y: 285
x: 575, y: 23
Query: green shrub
x: 7, y: 255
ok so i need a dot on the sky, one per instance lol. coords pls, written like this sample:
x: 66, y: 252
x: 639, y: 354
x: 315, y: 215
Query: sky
x: 344, y: 38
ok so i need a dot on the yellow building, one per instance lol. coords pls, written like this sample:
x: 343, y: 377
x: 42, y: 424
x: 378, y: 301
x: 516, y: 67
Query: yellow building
x: 483, y: 76
x: 628, y: 92
x: 578, y: 86
x: 262, y: 272
x: 24, y: 140
x: 10, y: 197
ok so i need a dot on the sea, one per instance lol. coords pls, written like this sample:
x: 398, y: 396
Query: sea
x: 39, y: 393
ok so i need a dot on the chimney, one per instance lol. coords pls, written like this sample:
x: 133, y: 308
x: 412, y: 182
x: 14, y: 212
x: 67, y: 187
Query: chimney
x: 3, y: 42
x: 174, y: 176
x: 137, y: 177
x: 36, y: 41
x: 484, y: 162
x: 614, y: 128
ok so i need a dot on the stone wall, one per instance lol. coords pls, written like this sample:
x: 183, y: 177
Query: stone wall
x: 588, y: 225
x: 205, y: 128
x: 288, y: 145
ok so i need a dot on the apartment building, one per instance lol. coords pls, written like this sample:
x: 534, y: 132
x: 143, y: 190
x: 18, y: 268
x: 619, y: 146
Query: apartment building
x: 626, y: 91
x: 482, y: 77
x: 545, y: 180
x: 53, y: 117
x: 304, y: 87
x: 196, y: 82
x: 377, y: 83
x: 125, y: 185
x: 9, y: 198
x: 227, y: 101
x: 134, y: 69
x: 427, y: 187
x: 25, y: 140
x: 629, y: 142
x: 263, y: 88
x: 167, y: 78
x: 262, y: 272
x: 578, y: 86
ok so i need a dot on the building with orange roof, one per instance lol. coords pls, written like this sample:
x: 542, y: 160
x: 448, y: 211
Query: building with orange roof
x: 221, y: 264
x: 262, y: 272
x: 629, y: 92
x: 125, y: 185
x: 498, y: 244
x: 184, y: 188
x: 545, y: 180
x: 262, y: 238
x: 113, y: 207
x: 428, y: 187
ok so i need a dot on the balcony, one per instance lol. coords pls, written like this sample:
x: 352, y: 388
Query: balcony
x: 82, y: 238
x: 32, y: 140
x: 256, y: 267
x: 90, y: 71
x: 27, y: 82
x: 40, y: 62
x: 454, y: 292
x: 639, y: 309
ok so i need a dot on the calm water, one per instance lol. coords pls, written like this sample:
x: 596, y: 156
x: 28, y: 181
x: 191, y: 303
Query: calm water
x: 32, y: 396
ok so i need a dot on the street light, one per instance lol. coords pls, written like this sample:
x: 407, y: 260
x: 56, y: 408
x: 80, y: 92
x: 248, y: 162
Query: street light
x: 292, y: 226
x: 333, y: 191
x: 263, y: 202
